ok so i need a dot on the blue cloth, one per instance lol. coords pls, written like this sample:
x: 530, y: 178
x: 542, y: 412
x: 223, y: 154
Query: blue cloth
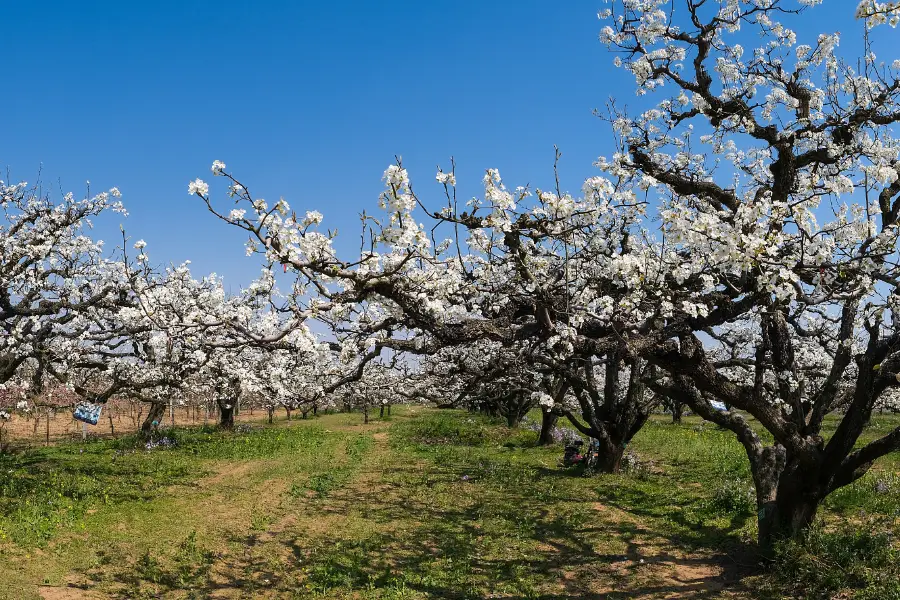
x: 88, y: 412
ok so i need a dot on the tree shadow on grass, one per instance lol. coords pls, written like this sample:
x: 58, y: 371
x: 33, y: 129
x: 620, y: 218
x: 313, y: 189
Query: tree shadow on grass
x: 447, y: 556
x: 507, y: 541
x: 486, y: 526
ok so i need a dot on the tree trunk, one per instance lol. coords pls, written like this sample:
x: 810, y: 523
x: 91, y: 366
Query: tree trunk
x: 153, y: 418
x: 226, y: 416
x: 609, y: 457
x: 786, y: 499
x: 381, y: 413
x: 787, y: 517
x: 677, y: 410
x: 271, y: 414
x: 288, y: 411
x: 389, y: 410
x: 548, y: 422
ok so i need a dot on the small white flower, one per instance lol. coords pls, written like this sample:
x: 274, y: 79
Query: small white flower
x: 217, y: 167
x: 140, y: 245
x: 312, y: 217
x: 446, y: 178
x: 199, y: 187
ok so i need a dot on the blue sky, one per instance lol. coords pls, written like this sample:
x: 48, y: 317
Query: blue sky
x: 304, y: 100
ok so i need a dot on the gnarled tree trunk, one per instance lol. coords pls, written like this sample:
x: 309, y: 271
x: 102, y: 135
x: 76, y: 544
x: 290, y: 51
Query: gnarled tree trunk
x: 153, y: 418
x: 613, y: 415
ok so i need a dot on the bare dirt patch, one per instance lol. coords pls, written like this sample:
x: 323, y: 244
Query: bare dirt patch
x: 231, y: 470
x: 69, y: 593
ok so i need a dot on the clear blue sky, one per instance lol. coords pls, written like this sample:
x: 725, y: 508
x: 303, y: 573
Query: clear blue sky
x: 304, y: 100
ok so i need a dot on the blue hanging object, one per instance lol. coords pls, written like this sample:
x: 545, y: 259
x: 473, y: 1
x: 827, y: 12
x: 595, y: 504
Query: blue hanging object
x: 87, y: 412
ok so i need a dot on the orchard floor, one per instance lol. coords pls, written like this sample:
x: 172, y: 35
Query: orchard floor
x: 425, y: 504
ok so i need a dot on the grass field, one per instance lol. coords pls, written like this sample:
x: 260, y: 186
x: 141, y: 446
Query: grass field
x: 426, y: 504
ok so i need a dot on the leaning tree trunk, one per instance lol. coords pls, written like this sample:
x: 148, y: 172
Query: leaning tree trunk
x: 153, y: 418
x: 548, y: 423
x: 789, y: 487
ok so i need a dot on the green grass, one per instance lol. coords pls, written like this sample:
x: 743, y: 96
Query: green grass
x: 860, y: 560
x: 46, y: 489
x: 431, y: 504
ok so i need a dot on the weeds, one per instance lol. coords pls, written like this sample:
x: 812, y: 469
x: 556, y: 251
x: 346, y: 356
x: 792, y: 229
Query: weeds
x: 323, y: 483
x: 850, y: 562
x: 188, y: 568
x: 733, y: 496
